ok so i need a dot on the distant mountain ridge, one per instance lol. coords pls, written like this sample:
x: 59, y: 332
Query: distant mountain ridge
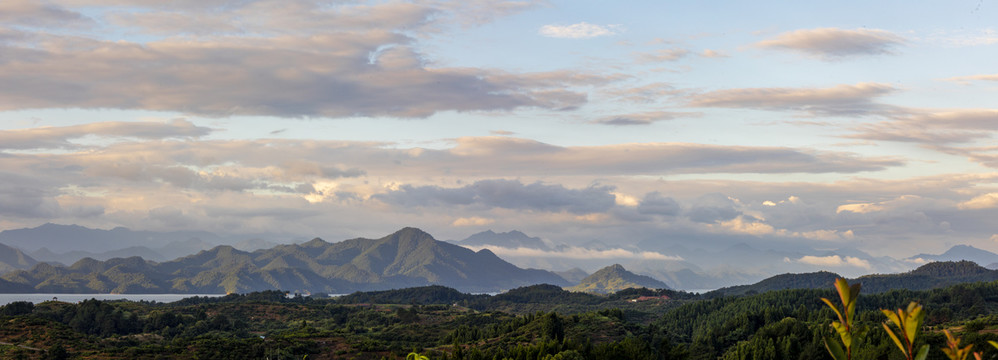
x: 510, y: 239
x: 960, y: 252
x: 14, y: 259
x: 929, y: 276
x: 614, y: 278
x: 64, y: 238
x: 406, y: 258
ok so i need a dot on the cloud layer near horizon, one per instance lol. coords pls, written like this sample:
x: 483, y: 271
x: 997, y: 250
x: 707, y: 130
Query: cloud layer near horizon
x: 342, y: 119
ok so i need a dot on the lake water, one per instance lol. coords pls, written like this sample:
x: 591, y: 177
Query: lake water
x: 74, y: 298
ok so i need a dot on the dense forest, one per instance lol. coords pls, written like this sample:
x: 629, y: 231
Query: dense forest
x: 536, y: 322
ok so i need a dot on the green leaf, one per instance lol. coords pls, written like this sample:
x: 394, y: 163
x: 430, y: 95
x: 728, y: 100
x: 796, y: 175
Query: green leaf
x: 995, y: 344
x: 835, y: 349
x: 895, y: 338
x: 893, y: 317
x: 922, y: 352
x: 835, y: 309
x: 844, y: 333
x: 914, y: 319
x: 844, y: 291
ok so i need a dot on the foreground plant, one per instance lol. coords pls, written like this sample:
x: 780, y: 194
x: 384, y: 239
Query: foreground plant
x: 416, y: 356
x: 907, y: 323
x: 953, y: 350
x: 849, y: 334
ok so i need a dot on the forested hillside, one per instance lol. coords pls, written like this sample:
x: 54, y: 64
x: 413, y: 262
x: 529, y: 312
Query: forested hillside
x: 536, y: 322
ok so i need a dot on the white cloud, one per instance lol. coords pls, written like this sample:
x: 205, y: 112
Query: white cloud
x: 826, y: 235
x: 834, y: 43
x: 644, y: 118
x: 985, y: 201
x: 965, y: 38
x: 969, y: 78
x: 834, y: 261
x: 708, y: 53
x: 901, y: 202
x: 582, y: 30
x: 861, y: 208
x: 472, y: 221
x: 626, y: 200
x: 741, y: 225
x: 838, y: 100
x: 574, y: 252
x: 662, y: 55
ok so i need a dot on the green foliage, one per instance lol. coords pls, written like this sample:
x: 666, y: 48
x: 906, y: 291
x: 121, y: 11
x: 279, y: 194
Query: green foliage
x: 845, y: 327
x: 953, y: 349
x: 907, y: 322
x: 416, y: 356
x: 538, y: 322
x: 17, y: 308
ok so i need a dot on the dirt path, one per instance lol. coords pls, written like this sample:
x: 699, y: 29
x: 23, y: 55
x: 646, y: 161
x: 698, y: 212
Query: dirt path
x: 21, y: 346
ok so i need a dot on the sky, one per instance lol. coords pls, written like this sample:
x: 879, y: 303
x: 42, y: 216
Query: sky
x: 825, y: 125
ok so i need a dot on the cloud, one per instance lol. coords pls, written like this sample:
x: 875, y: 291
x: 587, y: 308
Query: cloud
x: 662, y: 55
x: 573, y: 252
x: 513, y: 157
x: 900, y: 202
x: 60, y: 137
x: 330, y: 75
x: 649, y: 93
x: 507, y: 194
x: 860, y: 208
x: 39, y: 14
x: 834, y: 43
x: 644, y: 118
x: 968, y: 79
x: 582, y: 30
x: 26, y: 197
x: 985, y: 201
x: 965, y: 37
x: 834, y: 261
x: 708, y: 53
x: 711, y: 208
x: 743, y: 225
x: 267, y: 57
x: 934, y: 127
x: 654, y: 203
x: 472, y: 221
x: 840, y: 100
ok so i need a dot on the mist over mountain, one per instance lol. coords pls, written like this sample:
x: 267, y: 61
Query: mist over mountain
x: 573, y: 275
x: 510, y: 239
x: 688, y: 266
x: 65, y: 238
x: 14, y: 259
x: 957, y: 253
x: 407, y: 258
x: 929, y: 276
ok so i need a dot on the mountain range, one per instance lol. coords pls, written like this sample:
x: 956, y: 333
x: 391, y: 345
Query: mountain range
x: 511, y: 239
x: 961, y: 252
x: 14, y: 259
x: 689, y: 266
x: 929, y: 276
x: 407, y: 258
